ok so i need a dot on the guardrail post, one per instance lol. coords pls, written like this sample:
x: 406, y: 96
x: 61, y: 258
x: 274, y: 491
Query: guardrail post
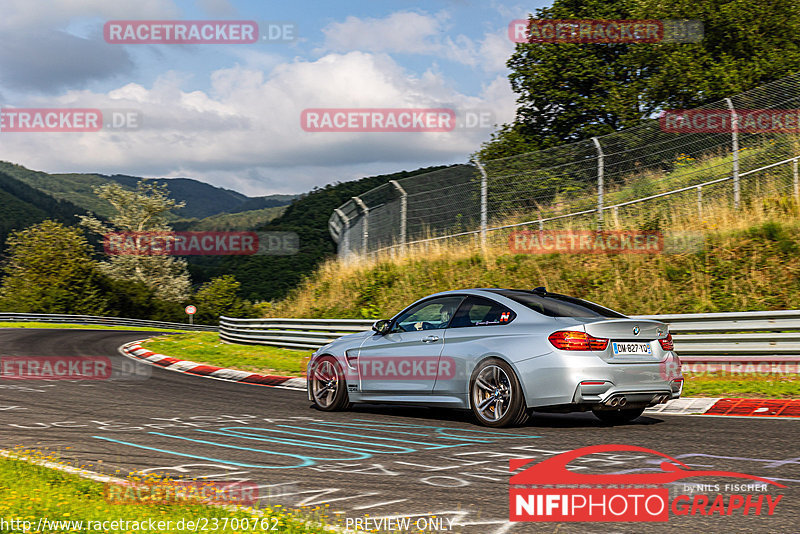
x: 484, y: 200
x: 403, y: 210
x: 365, y: 227
x: 735, y: 143
x: 344, y: 246
x: 600, y: 177
x: 796, y: 179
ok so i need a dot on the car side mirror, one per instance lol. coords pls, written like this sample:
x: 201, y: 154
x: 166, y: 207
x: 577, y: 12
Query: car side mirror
x: 381, y: 326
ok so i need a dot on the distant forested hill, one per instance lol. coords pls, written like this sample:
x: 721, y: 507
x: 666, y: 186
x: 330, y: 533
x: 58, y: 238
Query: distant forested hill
x: 271, y: 277
x: 22, y: 206
x: 202, y: 199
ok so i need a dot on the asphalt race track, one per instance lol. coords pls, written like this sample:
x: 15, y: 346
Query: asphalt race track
x: 371, y: 461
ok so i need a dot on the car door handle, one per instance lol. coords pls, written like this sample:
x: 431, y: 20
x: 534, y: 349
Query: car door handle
x: 430, y: 339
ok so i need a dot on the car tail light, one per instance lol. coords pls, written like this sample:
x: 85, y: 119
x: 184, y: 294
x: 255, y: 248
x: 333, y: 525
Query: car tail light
x: 666, y: 343
x: 570, y: 340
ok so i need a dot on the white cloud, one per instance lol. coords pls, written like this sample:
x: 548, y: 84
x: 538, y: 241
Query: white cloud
x: 415, y: 33
x: 401, y: 32
x: 245, y: 132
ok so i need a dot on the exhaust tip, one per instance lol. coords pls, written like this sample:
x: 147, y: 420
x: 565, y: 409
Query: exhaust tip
x: 623, y: 401
x: 613, y: 402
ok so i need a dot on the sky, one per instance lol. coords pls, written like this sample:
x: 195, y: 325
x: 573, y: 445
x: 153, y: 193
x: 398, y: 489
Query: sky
x: 230, y: 114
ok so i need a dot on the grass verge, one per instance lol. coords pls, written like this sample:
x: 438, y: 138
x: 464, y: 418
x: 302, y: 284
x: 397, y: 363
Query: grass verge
x: 31, y: 492
x: 741, y: 385
x: 14, y: 324
x: 206, y: 347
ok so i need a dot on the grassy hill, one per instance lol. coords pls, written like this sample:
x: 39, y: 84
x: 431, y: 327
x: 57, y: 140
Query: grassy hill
x: 725, y: 260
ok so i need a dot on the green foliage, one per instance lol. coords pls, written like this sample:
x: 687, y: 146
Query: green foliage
x: 569, y: 92
x: 777, y: 233
x: 220, y: 297
x: 50, y: 270
x: 142, y: 210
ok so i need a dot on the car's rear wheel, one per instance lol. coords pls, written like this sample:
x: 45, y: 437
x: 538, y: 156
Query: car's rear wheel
x: 496, y: 396
x: 328, y: 386
x: 617, y: 417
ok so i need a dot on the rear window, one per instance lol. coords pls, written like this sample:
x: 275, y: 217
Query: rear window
x: 478, y: 311
x: 555, y: 305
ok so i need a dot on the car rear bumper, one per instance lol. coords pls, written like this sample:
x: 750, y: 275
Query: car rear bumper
x: 584, y: 380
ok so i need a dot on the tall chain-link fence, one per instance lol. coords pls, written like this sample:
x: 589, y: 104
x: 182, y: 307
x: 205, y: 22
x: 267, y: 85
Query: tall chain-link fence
x: 736, y: 150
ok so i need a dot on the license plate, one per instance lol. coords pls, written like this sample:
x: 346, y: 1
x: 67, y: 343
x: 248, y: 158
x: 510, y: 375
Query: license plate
x: 624, y: 349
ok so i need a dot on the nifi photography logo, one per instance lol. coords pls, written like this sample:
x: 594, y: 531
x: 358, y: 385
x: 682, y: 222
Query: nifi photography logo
x: 548, y: 491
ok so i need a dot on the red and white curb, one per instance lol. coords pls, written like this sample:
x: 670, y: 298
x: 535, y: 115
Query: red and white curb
x: 135, y: 350
x: 788, y: 408
x: 782, y: 408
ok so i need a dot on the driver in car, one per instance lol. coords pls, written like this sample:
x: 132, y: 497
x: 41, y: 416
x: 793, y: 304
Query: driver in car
x: 445, y: 314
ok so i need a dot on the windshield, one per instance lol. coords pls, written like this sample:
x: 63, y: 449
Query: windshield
x: 555, y: 305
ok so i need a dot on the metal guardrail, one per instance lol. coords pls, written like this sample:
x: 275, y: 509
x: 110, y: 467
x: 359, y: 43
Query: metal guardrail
x: 94, y: 319
x: 288, y: 333
x: 772, y: 336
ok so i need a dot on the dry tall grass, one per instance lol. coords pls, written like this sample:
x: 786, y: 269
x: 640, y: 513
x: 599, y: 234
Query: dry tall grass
x: 748, y: 259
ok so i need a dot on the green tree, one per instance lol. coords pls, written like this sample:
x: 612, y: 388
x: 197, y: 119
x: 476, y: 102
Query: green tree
x: 50, y: 270
x: 569, y: 91
x: 220, y: 297
x: 142, y: 210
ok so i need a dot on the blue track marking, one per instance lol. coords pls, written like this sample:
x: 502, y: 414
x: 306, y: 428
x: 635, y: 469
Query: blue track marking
x: 428, y: 445
x: 317, y: 445
x: 357, y: 455
x: 361, y: 448
x: 307, y: 462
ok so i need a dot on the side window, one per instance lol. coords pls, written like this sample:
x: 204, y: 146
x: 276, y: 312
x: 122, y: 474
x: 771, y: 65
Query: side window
x: 429, y: 315
x: 479, y: 311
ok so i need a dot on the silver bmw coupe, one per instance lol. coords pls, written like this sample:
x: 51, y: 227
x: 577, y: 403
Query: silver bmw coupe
x: 502, y: 353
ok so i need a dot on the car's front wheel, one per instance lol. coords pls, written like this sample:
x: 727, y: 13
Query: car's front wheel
x: 618, y: 417
x: 328, y: 386
x: 496, y: 395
